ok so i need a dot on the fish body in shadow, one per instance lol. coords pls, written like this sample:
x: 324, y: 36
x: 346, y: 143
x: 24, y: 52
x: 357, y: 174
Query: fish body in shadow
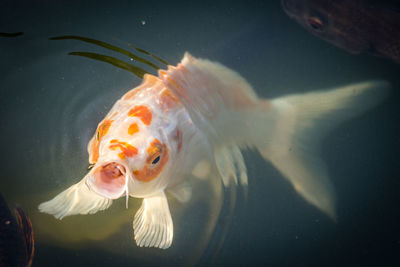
x: 356, y: 26
x: 16, y: 237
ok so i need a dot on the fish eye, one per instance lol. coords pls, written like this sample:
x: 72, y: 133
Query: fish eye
x: 156, y: 160
x: 316, y: 23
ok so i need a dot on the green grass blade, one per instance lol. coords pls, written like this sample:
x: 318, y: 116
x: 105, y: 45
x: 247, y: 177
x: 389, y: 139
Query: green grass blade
x: 108, y: 46
x: 149, y: 54
x: 10, y: 34
x: 113, y: 61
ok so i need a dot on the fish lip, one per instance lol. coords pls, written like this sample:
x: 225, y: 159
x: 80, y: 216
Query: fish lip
x: 92, y: 179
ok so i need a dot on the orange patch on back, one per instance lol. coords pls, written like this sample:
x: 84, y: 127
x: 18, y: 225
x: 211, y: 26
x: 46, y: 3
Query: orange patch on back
x: 133, y: 128
x: 127, y: 150
x: 142, y: 112
x: 168, y: 99
x: 148, y: 81
x: 150, y: 170
x: 172, y: 81
x: 177, y: 84
x: 102, y: 130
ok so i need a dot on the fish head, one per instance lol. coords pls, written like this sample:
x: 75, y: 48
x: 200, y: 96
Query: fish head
x: 337, y: 22
x: 132, y: 154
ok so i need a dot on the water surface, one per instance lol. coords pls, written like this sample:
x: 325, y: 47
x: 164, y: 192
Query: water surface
x: 51, y: 103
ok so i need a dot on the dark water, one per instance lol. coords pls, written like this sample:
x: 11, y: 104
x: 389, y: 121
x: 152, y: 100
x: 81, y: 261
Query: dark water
x: 51, y: 103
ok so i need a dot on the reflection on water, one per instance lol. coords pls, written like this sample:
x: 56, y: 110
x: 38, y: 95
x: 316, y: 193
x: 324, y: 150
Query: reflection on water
x: 51, y: 104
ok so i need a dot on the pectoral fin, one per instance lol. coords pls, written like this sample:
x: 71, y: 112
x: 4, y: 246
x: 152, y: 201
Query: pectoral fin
x: 153, y: 223
x: 78, y: 199
x: 182, y: 192
x: 202, y: 169
x: 230, y: 164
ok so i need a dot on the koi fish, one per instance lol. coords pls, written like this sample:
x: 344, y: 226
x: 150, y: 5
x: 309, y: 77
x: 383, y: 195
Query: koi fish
x: 17, y: 245
x: 356, y: 26
x: 193, y: 120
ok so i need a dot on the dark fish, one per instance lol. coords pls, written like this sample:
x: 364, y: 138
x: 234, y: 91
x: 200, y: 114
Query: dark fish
x: 354, y: 25
x: 16, y: 237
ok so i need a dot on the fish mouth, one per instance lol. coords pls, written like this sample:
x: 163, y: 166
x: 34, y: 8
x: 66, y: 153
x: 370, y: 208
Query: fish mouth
x: 109, y: 179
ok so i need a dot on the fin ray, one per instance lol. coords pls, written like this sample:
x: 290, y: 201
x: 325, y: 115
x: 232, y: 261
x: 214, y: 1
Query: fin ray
x: 182, y: 192
x: 77, y: 199
x: 302, y: 120
x: 152, y: 224
x: 230, y: 164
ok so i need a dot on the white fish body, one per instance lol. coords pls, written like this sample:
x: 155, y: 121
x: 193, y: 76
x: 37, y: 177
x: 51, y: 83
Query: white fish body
x: 196, y: 117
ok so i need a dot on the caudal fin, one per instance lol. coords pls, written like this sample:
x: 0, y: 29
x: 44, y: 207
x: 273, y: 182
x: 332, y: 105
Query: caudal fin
x: 300, y: 122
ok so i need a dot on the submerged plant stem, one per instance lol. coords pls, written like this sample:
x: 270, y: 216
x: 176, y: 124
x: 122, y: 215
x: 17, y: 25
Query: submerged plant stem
x: 108, y: 46
x: 113, y: 61
x: 10, y: 34
x: 149, y: 54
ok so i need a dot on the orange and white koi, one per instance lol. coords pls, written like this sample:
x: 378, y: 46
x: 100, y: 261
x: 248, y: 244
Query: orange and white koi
x: 194, y: 119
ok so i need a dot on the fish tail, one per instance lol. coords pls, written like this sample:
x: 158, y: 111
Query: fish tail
x: 299, y: 123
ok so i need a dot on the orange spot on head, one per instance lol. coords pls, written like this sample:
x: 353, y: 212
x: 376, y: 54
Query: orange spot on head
x: 154, y: 149
x: 127, y: 150
x: 155, y: 162
x: 142, y: 112
x: 94, y: 156
x: 130, y: 151
x: 102, y: 130
x: 133, y: 128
